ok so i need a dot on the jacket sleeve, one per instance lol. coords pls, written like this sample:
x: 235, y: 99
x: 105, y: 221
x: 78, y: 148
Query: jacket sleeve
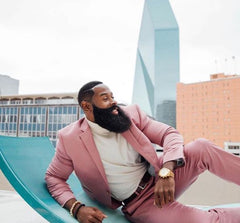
x: 57, y: 174
x: 162, y: 135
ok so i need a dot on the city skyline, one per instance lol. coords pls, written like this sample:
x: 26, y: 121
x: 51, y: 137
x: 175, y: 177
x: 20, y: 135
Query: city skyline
x: 56, y: 46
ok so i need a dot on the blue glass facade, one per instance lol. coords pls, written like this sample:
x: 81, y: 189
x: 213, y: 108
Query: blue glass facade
x: 29, y: 118
x: 157, y: 63
x: 8, y: 119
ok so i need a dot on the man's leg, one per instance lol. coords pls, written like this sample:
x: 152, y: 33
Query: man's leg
x: 200, y: 155
x: 178, y: 213
x: 143, y: 210
x: 203, y: 155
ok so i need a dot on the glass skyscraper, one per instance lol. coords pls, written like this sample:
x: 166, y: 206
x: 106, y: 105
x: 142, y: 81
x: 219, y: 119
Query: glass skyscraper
x: 157, y: 65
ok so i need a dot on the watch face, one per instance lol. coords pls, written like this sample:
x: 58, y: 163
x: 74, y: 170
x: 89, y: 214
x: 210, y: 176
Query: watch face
x: 164, y: 172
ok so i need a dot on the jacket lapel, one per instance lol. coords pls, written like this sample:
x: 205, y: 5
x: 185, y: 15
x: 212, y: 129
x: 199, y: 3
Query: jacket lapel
x: 88, y: 141
x: 145, y: 148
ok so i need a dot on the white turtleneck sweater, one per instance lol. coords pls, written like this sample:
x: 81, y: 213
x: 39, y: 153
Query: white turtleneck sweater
x: 123, y: 166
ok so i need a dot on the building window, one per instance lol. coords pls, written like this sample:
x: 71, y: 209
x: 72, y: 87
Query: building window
x: 27, y: 101
x: 53, y: 100
x: 68, y: 100
x: 8, y: 120
x: 15, y: 101
x: 40, y: 100
x: 32, y: 121
x: 4, y: 101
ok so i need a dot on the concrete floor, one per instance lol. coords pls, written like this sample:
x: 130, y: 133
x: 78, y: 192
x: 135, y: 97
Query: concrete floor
x: 14, y: 209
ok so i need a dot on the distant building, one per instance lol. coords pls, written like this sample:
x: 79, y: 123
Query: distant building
x: 8, y: 85
x: 37, y: 115
x: 211, y: 110
x: 232, y: 147
x: 157, y: 64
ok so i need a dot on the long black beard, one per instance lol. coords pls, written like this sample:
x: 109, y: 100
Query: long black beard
x: 115, y: 123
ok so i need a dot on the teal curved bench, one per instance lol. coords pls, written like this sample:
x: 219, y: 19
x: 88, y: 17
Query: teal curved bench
x: 24, y: 160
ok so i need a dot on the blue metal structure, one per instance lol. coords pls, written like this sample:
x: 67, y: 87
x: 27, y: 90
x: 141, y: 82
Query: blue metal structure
x: 24, y: 161
x: 157, y: 64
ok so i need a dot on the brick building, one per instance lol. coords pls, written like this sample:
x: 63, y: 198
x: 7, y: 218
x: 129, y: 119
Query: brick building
x: 211, y: 109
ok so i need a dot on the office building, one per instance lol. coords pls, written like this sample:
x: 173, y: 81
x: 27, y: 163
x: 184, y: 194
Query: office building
x: 37, y: 115
x: 8, y: 85
x: 157, y: 65
x: 211, y: 110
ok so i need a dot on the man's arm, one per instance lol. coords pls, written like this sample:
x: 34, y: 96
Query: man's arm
x: 161, y: 134
x: 56, y: 176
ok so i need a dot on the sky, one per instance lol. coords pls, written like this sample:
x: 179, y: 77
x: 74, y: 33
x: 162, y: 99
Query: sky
x: 55, y: 46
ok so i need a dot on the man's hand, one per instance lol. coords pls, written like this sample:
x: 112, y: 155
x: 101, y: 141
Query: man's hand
x: 165, y: 187
x: 90, y: 215
x: 164, y: 191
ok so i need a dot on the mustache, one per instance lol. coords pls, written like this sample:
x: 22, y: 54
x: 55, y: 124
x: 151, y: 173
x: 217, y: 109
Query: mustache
x: 107, y: 110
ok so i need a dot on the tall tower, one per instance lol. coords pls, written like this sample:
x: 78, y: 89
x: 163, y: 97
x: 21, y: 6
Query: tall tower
x: 157, y: 63
x: 8, y: 85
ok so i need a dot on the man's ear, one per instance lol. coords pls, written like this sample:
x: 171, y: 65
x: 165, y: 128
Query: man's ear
x: 86, y: 106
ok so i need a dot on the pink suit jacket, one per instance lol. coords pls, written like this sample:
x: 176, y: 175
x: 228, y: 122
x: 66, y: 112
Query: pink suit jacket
x: 76, y: 151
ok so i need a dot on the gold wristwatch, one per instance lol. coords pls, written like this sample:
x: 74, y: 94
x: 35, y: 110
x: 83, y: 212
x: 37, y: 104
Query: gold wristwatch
x: 165, y: 172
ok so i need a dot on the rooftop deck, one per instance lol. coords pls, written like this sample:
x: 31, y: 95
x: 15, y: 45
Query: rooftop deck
x: 14, y: 209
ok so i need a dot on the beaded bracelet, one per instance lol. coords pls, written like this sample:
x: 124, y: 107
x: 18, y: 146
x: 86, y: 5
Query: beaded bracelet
x: 73, y: 206
x: 78, y: 208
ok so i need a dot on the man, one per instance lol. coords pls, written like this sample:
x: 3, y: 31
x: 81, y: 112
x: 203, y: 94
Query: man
x: 111, y: 151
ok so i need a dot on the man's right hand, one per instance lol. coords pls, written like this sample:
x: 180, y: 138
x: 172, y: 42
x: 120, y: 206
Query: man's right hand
x: 90, y: 215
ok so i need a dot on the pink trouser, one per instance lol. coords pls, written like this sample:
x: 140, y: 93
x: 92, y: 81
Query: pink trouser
x: 200, y: 155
